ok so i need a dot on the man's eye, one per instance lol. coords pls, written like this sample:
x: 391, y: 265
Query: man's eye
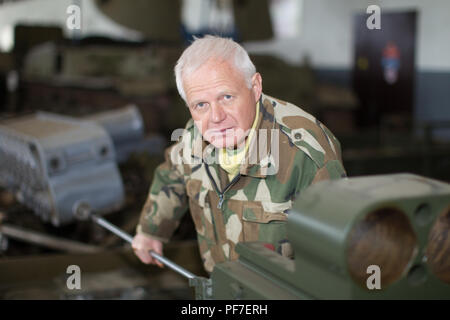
x: 201, y: 105
x: 227, y: 97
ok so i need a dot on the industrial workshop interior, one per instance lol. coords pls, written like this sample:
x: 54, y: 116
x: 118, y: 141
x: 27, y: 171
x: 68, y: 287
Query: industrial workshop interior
x: 89, y: 105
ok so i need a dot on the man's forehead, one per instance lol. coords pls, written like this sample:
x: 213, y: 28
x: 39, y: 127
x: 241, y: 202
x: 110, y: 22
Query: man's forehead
x: 214, y: 67
x: 213, y: 77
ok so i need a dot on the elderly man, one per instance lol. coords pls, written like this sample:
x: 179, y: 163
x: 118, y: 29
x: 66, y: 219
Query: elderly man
x: 240, y: 161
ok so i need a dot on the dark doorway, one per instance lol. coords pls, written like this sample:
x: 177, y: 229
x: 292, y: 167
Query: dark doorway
x: 383, y: 68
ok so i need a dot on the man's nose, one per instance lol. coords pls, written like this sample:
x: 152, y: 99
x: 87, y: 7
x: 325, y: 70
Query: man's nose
x: 217, y: 113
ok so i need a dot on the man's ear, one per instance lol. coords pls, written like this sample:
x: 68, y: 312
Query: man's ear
x: 257, y: 85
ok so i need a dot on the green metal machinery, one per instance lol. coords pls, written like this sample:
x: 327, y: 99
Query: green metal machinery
x: 372, y: 237
x: 375, y: 237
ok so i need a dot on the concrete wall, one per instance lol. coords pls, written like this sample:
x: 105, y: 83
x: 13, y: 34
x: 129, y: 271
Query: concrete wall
x: 327, y: 34
x: 327, y: 39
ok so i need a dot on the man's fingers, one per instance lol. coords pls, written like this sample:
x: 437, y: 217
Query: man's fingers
x: 144, y: 256
x: 156, y: 261
x: 159, y: 264
x: 147, y: 258
x: 142, y: 246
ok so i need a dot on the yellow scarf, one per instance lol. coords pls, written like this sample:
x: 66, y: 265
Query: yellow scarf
x: 231, y: 160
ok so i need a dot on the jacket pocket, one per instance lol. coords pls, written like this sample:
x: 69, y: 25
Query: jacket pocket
x: 268, y: 227
x: 264, y: 226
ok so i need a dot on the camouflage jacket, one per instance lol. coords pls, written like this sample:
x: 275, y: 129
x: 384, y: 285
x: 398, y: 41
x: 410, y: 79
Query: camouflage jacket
x: 290, y: 151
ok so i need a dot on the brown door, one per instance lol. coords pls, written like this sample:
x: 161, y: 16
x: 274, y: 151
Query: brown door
x: 383, y: 69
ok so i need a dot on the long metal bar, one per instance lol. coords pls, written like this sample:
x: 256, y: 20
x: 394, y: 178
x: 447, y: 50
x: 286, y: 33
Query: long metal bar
x: 46, y: 240
x: 175, y: 267
x: 105, y: 224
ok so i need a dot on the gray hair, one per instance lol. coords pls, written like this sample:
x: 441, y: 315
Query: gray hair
x: 203, y: 49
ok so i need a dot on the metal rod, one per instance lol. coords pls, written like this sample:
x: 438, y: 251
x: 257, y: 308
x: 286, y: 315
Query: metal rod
x: 129, y: 239
x: 173, y: 265
x: 105, y: 224
x: 46, y: 240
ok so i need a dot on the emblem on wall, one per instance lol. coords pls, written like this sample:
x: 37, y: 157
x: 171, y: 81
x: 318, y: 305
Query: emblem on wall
x: 390, y: 62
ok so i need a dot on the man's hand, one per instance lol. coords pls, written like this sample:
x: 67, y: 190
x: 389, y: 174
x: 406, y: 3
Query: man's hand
x: 142, y: 244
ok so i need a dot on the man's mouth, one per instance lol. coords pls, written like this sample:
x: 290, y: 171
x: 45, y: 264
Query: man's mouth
x: 221, y: 131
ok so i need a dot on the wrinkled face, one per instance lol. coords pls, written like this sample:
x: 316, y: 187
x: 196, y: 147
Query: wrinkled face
x: 222, y: 106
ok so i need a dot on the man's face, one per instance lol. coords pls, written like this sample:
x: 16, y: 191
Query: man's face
x: 222, y: 106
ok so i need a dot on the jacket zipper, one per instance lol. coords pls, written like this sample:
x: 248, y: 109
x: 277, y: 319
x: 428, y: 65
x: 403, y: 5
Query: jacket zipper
x: 221, y: 194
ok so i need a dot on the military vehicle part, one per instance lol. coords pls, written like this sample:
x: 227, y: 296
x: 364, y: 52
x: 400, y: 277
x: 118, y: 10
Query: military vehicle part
x: 157, y: 20
x: 374, y: 237
x: 125, y: 126
x: 52, y: 162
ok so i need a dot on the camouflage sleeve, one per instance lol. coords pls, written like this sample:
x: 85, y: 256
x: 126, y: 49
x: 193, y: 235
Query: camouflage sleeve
x: 310, y: 173
x: 332, y: 169
x: 166, y: 202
